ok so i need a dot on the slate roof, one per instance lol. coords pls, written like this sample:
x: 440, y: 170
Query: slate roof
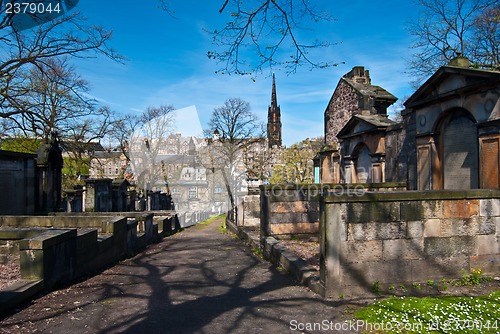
x: 72, y: 146
x: 366, y: 89
x: 375, y: 122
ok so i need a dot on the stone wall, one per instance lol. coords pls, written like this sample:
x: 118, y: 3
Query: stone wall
x: 406, y: 237
x: 60, y: 248
x: 294, y: 209
x: 342, y: 106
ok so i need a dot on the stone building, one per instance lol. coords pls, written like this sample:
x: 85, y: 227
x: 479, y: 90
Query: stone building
x: 454, y: 120
x: 354, y: 95
x: 356, y: 109
x: 108, y: 164
x: 449, y: 136
x: 363, y: 148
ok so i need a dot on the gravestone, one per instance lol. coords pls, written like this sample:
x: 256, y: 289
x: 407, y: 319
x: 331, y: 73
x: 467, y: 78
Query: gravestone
x: 98, y: 195
x: 460, y: 154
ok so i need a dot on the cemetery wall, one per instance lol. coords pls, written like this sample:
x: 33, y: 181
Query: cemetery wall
x: 294, y: 209
x: 56, y: 249
x: 404, y: 237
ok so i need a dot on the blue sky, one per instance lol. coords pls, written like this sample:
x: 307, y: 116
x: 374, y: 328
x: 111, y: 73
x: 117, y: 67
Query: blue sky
x: 167, y: 62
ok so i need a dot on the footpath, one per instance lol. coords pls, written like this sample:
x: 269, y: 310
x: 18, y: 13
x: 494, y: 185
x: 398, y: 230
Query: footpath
x: 197, y: 281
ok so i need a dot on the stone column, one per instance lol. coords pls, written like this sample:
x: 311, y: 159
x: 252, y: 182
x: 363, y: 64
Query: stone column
x: 49, y: 163
x: 349, y: 170
x: 378, y: 168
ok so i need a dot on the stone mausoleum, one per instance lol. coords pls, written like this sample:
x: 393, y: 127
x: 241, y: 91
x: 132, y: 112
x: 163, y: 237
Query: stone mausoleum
x: 448, y: 136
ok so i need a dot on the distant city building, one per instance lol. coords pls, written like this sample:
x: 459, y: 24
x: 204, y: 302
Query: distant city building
x: 109, y: 164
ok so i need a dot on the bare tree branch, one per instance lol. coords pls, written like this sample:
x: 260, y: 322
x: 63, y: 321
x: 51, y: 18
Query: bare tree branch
x: 25, y: 50
x: 269, y: 30
x: 446, y: 29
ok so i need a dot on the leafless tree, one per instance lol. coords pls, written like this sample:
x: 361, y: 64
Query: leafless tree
x: 148, y: 136
x: 35, y: 48
x: 446, y: 29
x: 52, y: 98
x: 270, y: 30
x: 486, y: 39
x: 231, y: 130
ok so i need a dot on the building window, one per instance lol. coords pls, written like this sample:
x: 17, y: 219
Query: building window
x: 175, y: 191
x: 218, y: 190
x: 192, y: 192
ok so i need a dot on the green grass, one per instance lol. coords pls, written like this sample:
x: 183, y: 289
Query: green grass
x: 211, y: 220
x: 450, y: 314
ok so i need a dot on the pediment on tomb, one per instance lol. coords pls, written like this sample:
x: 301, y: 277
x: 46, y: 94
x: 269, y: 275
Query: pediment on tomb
x: 449, y: 81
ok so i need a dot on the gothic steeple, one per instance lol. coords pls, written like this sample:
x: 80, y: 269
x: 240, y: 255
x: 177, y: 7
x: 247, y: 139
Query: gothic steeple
x: 274, y: 119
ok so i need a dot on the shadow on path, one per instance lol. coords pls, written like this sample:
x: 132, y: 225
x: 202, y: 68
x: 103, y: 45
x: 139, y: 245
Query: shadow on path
x: 199, y: 281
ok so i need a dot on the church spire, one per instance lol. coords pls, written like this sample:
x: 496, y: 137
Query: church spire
x: 274, y: 119
x: 274, y: 100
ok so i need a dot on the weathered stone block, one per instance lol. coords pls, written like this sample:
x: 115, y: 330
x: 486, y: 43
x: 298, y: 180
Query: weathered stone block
x: 423, y: 270
x: 292, y: 217
x: 361, y: 251
x: 373, y: 212
x: 449, y: 246
x: 298, y: 206
x: 432, y: 228
x: 415, y: 229
x: 446, y: 227
x: 487, y: 226
x: 438, y: 268
x: 403, y: 249
x: 420, y: 210
x: 472, y: 226
x: 295, y: 228
x: 488, y: 244
x: 489, y: 264
x: 460, y: 208
x: 366, y: 273
x: 376, y: 231
x: 489, y: 207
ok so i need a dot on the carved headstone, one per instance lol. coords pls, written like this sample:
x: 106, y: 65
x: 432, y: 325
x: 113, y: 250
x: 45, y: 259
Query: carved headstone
x: 460, y: 154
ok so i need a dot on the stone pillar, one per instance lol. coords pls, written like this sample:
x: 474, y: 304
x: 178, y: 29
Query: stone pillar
x: 74, y: 200
x: 49, y: 163
x: 332, y: 233
x: 329, y: 166
x: 131, y: 200
x: 378, y: 168
x: 349, y: 170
